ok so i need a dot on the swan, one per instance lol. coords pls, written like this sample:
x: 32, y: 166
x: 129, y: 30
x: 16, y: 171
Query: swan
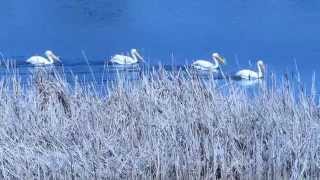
x: 39, y: 60
x: 126, y: 60
x: 251, y: 75
x: 205, y: 65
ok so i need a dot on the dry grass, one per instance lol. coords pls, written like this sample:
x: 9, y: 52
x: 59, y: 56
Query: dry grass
x: 164, y: 126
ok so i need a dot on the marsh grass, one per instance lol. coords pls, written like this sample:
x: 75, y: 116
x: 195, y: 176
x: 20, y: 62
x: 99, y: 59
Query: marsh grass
x: 164, y: 126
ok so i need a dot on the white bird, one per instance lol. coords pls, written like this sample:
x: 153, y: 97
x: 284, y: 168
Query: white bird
x: 39, y: 60
x: 205, y: 65
x: 251, y: 75
x: 127, y: 60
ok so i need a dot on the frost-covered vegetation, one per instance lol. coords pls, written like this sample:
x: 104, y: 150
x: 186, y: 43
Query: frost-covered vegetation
x: 163, y: 126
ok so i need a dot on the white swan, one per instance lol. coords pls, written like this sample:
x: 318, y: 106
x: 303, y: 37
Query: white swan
x: 209, y: 66
x: 39, y: 60
x: 126, y: 60
x: 251, y: 75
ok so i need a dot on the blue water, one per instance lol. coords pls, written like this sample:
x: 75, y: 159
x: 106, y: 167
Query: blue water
x: 281, y: 33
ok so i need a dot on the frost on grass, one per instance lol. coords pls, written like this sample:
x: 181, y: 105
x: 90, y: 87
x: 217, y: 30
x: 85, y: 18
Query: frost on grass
x: 163, y: 126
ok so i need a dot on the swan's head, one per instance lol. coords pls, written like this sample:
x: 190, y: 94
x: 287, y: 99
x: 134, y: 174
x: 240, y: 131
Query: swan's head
x: 219, y: 58
x: 50, y: 54
x: 135, y: 52
x: 261, y: 66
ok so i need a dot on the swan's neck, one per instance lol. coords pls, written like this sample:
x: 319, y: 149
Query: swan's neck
x: 260, y: 72
x: 134, y: 56
x: 50, y: 59
x: 215, y: 63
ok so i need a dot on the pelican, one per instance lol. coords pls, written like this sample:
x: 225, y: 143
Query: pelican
x: 205, y: 65
x: 39, y: 60
x: 127, y: 60
x: 251, y: 75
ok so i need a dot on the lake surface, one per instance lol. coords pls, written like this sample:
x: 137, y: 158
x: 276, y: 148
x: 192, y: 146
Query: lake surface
x: 170, y: 32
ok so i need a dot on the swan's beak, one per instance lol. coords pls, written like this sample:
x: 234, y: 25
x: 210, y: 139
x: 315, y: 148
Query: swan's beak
x: 139, y: 56
x: 221, y: 59
x: 56, y: 57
